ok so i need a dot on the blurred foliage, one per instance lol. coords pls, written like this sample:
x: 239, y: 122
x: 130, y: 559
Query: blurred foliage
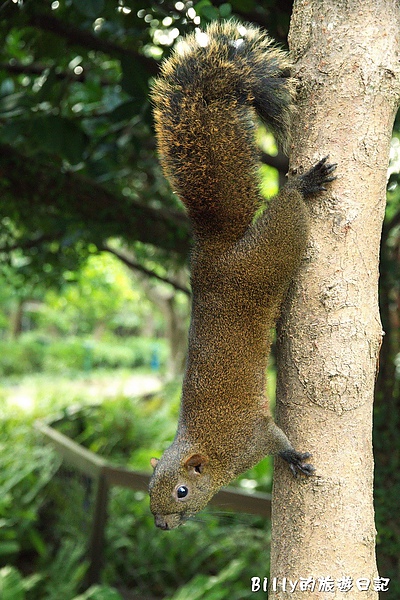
x: 125, y: 430
x: 25, y: 470
x: 15, y: 587
x: 200, y: 556
x: 36, y: 354
x: 48, y: 544
x: 101, y: 296
x: 77, y: 152
x: 97, y: 293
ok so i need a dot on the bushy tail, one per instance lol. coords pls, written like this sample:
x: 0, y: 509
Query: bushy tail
x: 205, y: 104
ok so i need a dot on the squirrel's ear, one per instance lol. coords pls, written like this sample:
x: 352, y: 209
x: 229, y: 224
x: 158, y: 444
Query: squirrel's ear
x: 196, y: 462
x: 153, y: 462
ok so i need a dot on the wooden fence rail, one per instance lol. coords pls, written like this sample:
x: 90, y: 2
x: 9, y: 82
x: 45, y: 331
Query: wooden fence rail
x: 106, y: 475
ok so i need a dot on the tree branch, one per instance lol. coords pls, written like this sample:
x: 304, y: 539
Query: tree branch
x: 138, y: 267
x: 16, y: 68
x: 80, y: 37
x: 28, y: 244
x: 38, y: 186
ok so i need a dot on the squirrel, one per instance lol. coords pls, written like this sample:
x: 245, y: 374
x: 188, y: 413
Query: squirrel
x: 206, y: 101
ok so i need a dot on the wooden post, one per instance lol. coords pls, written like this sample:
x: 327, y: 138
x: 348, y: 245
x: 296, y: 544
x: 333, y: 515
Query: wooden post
x: 96, y: 544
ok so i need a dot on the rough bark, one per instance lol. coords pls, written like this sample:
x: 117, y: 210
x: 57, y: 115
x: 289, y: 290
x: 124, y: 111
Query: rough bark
x: 347, y: 60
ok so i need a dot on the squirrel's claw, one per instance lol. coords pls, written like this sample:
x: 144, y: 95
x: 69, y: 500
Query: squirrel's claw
x: 312, y: 181
x: 296, y: 462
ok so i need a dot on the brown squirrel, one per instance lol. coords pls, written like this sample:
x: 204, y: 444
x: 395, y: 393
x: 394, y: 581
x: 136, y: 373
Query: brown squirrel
x: 206, y: 101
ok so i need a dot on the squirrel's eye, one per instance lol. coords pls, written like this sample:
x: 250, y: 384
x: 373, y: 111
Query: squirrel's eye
x: 182, y: 491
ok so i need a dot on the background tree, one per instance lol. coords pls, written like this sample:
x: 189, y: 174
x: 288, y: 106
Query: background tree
x: 387, y: 393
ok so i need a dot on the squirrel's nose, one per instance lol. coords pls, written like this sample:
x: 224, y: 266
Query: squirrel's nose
x: 160, y: 522
x: 168, y: 522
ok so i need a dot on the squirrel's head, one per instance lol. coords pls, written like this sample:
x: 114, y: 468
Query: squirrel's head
x: 179, y: 487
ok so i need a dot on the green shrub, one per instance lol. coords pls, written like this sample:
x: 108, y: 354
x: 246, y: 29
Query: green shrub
x: 17, y: 358
x: 32, y: 354
x: 64, y: 571
x: 215, y: 587
x: 100, y: 592
x: 47, y: 518
x: 15, y: 587
x: 64, y: 355
x: 132, y: 353
x: 125, y: 430
x: 25, y: 470
x: 11, y: 584
x: 30, y: 526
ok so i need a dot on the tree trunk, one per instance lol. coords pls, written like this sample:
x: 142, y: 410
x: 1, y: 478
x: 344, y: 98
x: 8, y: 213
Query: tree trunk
x: 347, y: 60
x: 16, y: 319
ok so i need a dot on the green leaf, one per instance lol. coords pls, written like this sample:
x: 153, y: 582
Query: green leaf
x: 14, y: 104
x: 225, y: 10
x: 11, y: 584
x: 59, y: 136
x: 89, y: 8
x: 210, y: 587
x: 198, y: 7
x: 99, y: 592
x: 205, y: 9
x: 134, y: 78
x: 125, y: 111
x: 37, y: 542
x: 45, y: 91
x: 7, y: 548
x: 210, y: 12
x: 31, y: 581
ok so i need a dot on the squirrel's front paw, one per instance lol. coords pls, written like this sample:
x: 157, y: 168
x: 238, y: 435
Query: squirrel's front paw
x: 296, y: 462
x: 313, y: 180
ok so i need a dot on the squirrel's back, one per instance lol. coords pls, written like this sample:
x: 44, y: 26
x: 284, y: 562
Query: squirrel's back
x: 206, y: 101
